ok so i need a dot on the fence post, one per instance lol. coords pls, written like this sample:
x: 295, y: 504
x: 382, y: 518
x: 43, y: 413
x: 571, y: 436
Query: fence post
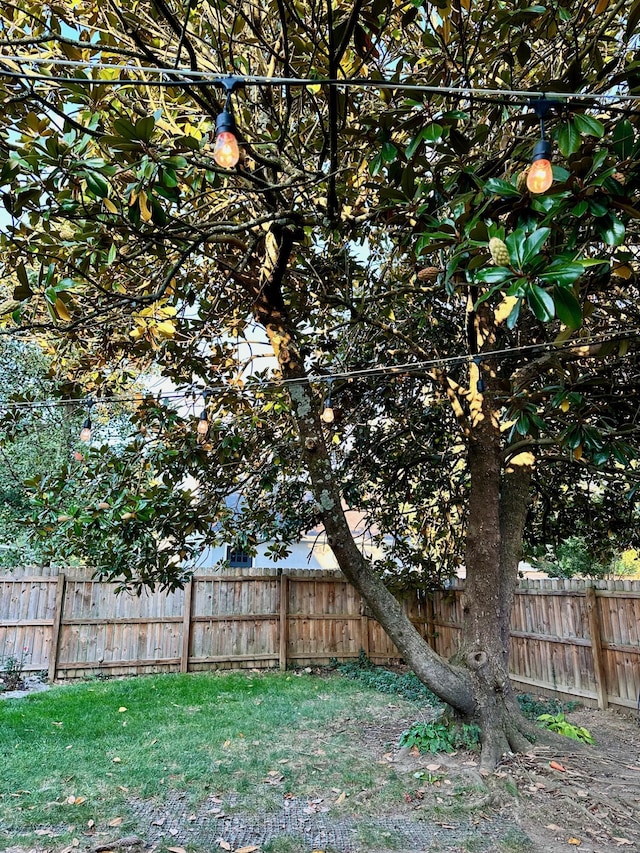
x: 186, y: 627
x: 364, y: 628
x: 596, y: 648
x: 284, y: 621
x: 55, y: 629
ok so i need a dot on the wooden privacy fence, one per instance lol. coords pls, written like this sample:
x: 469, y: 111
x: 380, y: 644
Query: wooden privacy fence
x: 577, y: 640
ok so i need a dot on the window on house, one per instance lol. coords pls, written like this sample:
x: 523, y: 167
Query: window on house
x: 238, y: 559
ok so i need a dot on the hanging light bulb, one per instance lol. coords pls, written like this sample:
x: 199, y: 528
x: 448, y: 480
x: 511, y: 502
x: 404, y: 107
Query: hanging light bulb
x: 540, y: 175
x: 327, y: 416
x: 85, y: 432
x: 226, y: 152
x: 203, y: 424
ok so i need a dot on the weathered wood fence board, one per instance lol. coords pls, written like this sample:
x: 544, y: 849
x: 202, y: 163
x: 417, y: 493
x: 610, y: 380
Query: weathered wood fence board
x: 575, y: 639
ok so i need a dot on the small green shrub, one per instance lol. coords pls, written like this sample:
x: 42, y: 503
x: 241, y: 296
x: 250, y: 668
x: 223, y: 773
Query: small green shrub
x: 404, y: 684
x: 11, y: 673
x: 532, y: 707
x: 440, y: 736
x: 558, y: 723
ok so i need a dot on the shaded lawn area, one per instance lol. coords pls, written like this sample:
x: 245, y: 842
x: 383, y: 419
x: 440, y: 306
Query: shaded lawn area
x: 80, y: 755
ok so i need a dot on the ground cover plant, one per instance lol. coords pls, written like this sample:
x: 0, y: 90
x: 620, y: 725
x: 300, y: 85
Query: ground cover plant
x: 186, y: 761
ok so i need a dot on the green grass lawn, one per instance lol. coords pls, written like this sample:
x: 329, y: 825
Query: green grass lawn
x: 81, y: 754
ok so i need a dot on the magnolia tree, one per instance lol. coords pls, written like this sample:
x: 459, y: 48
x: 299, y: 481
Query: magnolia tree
x: 381, y: 239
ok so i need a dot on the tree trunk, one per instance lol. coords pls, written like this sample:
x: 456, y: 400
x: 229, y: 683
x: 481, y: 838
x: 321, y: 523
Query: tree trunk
x: 477, y: 684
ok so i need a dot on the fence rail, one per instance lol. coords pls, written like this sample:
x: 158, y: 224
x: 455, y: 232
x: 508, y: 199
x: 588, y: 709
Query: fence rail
x: 575, y: 639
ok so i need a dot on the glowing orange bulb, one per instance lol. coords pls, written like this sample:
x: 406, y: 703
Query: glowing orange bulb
x: 540, y: 176
x: 85, y: 432
x: 226, y: 152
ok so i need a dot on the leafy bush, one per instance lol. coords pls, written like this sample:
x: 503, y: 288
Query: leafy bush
x: 440, y: 736
x: 11, y: 673
x: 404, y: 684
x: 558, y: 723
x: 534, y: 707
x: 572, y: 558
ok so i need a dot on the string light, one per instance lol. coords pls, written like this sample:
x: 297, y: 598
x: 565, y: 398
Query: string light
x: 226, y: 152
x: 203, y: 425
x: 540, y: 175
x: 328, y: 415
x: 189, y: 77
x: 85, y: 432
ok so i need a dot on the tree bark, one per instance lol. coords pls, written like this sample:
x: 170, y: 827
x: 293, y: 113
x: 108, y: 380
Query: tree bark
x: 476, y: 685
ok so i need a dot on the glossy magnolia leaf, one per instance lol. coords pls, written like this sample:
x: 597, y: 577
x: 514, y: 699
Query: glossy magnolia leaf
x: 562, y: 272
x: 540, y: 303
x: 496, y: 186
x: 613, y: 231
x: 568, y: 139
x: 492, y: 275
x: 568, y: 308
x: 588, y: 125
x: 622, y: 139
x: 534, y: 244
x: 515, y: 244
x: 512, y: 319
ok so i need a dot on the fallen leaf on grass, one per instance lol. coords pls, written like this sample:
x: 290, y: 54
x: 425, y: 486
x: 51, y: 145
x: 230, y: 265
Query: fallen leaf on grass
x: 433, y: 767
x: 621, y: 841
x: 555, y: 765
x: 116, y: 821
x: 575, y: 841
x: 158, y: 822
x: 121, y: 709
x: 117, y: 760
x: 250, y: 849
x: 176, y: 850
x: 553, y: 827
x: 340, y: 799
x: 224, y: 844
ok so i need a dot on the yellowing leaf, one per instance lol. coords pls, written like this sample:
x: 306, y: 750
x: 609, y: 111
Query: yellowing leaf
x: 61, y: 310
x: 565, y: 405
x: 250, y: 849
x: 176, y: 850
x: 145, y: 213
x: 109, y: 205
x: 121, y: 709
x: 166, y: 328
x: 116, y: 821
x: 341, y: 799
x: 224, y: 844
x: 575, y: 841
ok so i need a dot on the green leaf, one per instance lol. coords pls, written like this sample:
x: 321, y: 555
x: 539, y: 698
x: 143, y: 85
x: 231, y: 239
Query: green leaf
x: 512, y: 319
x: 580, y: 209
x: 388, y: 152
x: 568, y: 139
x: 493, y: 275
x: 432, y: 132
x: 623, y: 139
x: 144, y: 128
x: 562, y: 272
x: 96, y: 184
x: 496, y: 186
x: 613, y: 231
x: 515, y: 243
x: 540, y: 303
x: 588, y: 125
x: 568, y: 308
x: 533, y: 244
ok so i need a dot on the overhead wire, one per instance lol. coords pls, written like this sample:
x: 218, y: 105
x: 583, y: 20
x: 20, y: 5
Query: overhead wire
x: 193, y: 392
x: 187, y: 77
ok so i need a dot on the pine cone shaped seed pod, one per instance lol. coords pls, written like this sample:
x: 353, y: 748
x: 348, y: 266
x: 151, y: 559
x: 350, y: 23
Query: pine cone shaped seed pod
x: 428, y: 274
x: 499, y: 252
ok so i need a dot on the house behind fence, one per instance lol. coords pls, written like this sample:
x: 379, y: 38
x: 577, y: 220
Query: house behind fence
x: 580, y: 640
